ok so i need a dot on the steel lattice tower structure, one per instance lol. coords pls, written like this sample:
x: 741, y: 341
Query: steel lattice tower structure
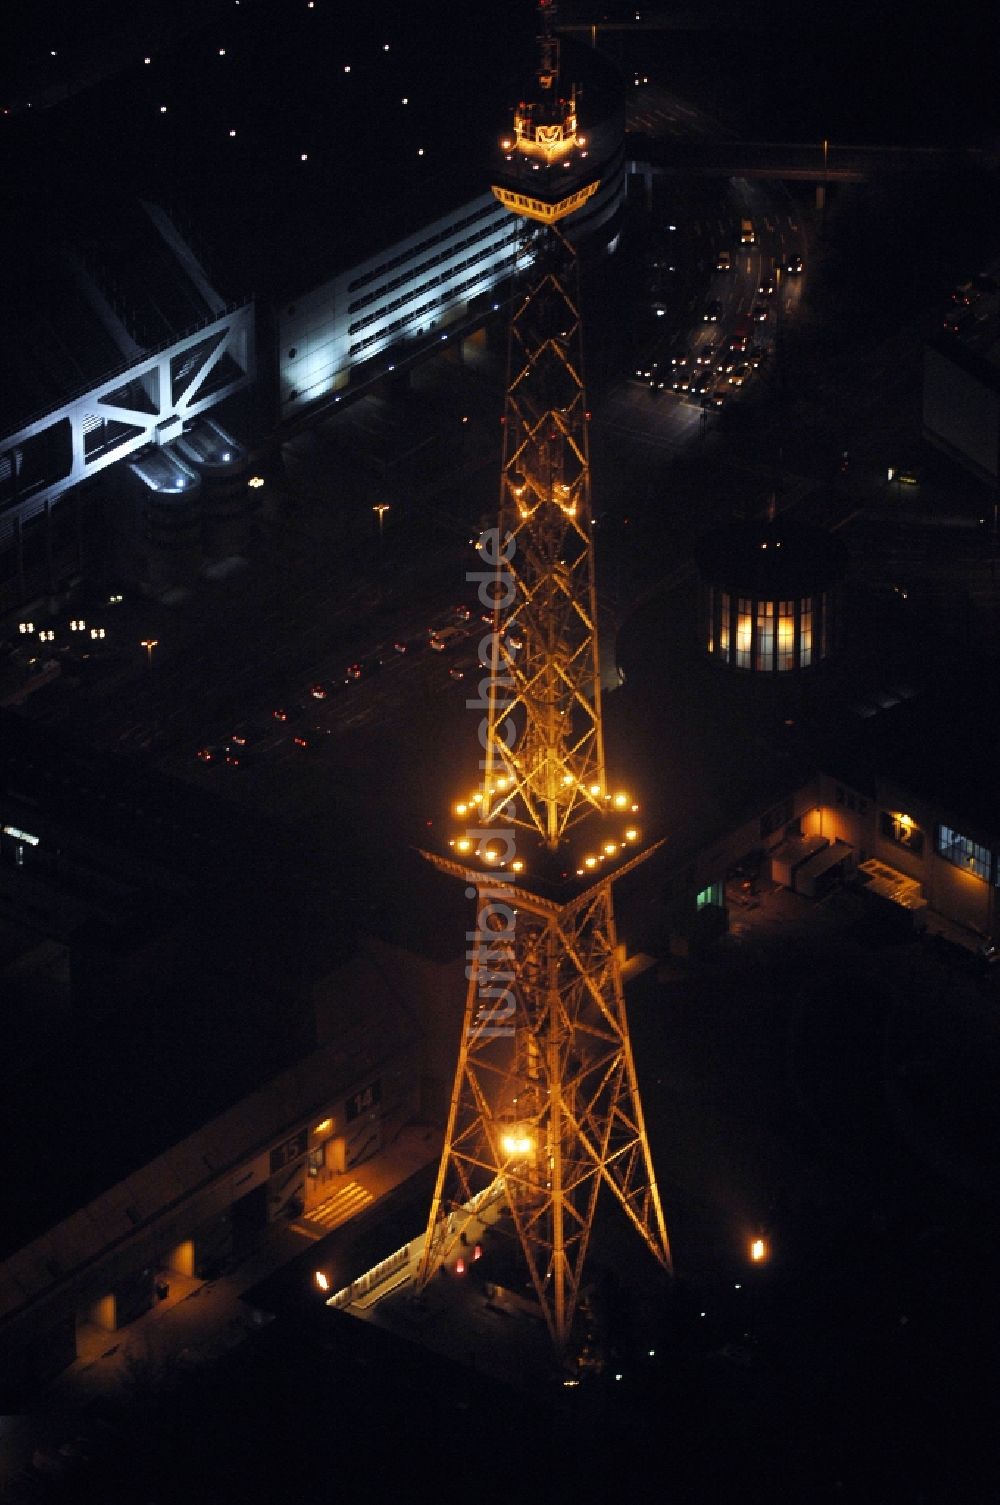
x: 545, y: 1108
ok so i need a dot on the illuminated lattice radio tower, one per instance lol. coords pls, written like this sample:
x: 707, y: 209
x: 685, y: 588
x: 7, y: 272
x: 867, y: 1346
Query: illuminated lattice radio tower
x: 545, y: 1109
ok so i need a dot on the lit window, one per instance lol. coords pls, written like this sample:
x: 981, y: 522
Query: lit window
x: 805, y: 631
x: 902, y: 830
x: 786, y: 635
x: 744, y: 633
x: 765, y: 635
x: 963, y: 852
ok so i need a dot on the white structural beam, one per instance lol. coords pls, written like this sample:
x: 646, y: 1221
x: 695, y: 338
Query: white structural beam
x: 171, y: 400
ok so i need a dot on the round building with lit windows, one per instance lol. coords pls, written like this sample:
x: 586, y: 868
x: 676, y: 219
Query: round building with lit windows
x: 770, y: 596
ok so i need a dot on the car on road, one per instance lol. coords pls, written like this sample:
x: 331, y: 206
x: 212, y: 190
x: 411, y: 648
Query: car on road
x: 288, y: 713
x: 955, y: 320
x: 212, y: 753
x: 446, y: 637
x: 709, y: 353
x: 742, y: 332
x: 761, y: 312
x: 794, y: 265
x: 724, y: 262
x: 681, y: 380
x: 712, y: 312
x: 738, y: 375
x: 766, y: 288
x: 310, y: 738
x: 246, y: 736
x: 465, y: 668
x: 701, y: 382
x: 716, y: 399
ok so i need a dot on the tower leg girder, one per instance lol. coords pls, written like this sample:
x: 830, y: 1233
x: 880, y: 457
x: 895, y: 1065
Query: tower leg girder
x: 548, y: 1110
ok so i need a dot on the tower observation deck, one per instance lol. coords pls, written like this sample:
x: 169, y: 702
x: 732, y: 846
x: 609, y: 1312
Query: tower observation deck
x: 545, y: 1108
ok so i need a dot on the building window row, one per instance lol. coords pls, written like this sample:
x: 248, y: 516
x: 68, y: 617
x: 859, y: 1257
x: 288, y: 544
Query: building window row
x: 504, y: 232
x: 767, y: 636
x: 441, y: 279
x: 971, y: 856
x: 418, y: 311
x: 422, y: 246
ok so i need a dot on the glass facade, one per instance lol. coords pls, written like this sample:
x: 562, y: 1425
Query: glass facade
x: 764, y: 652
x: 744, y: 633
x: 786, y: 635
x: 723, y: 632
x: 805, y: 632
x: 768, y: 636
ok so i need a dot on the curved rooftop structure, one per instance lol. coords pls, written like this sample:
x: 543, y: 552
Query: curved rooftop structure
x: 770, y: 594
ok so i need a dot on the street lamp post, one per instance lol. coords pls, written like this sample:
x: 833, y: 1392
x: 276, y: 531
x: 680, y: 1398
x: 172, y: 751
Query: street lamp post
x: 380, y: 509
